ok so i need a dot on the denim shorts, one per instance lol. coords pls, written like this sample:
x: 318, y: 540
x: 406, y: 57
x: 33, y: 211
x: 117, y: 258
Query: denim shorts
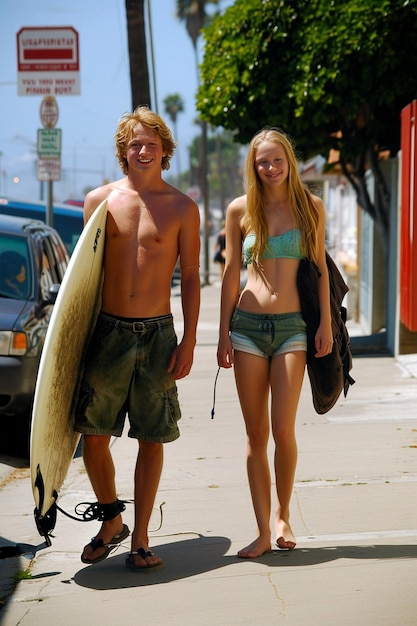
x: 125, y: 372
x: 268, y: 334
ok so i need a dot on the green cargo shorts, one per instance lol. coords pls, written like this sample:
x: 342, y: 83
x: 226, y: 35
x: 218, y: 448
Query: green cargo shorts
x: 125, y: 372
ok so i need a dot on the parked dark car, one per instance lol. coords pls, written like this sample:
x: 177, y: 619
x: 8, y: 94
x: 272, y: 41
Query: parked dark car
x: 33, y: 259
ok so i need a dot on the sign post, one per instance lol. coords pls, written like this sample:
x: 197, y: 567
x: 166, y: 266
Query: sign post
x: 49, y: 151
x: 48, y: 65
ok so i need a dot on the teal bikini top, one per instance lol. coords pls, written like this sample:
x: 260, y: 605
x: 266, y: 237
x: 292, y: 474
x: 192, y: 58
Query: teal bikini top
x: 285, y: 246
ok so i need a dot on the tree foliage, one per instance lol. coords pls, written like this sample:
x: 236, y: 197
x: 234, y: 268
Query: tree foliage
x: 173, y: 104
x: 331, y: 73
x: 224, y: 162
x: 195, y: 16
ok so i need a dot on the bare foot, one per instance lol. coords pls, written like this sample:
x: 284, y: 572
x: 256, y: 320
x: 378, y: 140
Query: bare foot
x: 256, y: 548
x: 285, y: 538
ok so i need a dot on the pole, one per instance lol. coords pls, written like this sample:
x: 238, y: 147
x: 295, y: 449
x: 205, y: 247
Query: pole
x: 49, y: 206
x: 155, y: 97
x: 205, y: 191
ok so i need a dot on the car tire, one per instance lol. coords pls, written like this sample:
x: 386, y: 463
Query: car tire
x: 16, y: 435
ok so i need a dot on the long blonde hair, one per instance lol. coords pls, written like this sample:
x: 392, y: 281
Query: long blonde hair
x: 303, y: 208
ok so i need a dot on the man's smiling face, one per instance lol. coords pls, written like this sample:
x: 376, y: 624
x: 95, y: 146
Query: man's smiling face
x: 144, y: 148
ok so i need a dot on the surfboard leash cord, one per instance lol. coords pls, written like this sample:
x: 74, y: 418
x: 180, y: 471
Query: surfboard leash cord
x: 90, y: 511
x: 214, y: 393
x: 84, y: 511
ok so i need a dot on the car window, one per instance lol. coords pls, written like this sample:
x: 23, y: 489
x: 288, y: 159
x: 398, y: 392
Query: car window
x: 54, y: 263
x: 15, y: 267
x: 59, y: 256
x: 49, y: 274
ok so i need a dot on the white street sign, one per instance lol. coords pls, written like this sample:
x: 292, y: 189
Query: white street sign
x: 48, y: 61
x: 49, y: 112
x: 49, y: 169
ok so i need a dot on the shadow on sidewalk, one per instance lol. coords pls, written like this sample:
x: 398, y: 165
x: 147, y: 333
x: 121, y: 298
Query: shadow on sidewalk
x: 191, y: 557
x: 305, y: 557
x: 182, y: 559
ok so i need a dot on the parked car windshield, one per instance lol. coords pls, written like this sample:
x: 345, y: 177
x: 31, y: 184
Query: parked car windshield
x: 15, y: 274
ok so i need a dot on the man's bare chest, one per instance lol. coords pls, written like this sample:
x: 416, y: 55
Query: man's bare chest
x: 142, y: 225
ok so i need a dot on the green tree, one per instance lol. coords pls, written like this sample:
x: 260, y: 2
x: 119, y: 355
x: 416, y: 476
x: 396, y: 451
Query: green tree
x: 224, y: 166
x: 193, y: 13
x: 331, y: 73
x: 174, y: 104
x: 195, y: 16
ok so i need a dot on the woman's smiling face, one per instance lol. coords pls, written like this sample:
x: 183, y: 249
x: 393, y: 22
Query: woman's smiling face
x: 271, y: 163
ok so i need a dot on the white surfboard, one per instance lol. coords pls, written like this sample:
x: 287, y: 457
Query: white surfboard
x: 53, y: 440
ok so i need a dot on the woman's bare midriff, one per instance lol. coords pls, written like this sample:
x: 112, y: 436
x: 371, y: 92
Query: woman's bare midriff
x: 281, y: 296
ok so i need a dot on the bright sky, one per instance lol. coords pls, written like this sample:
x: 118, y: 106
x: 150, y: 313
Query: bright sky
x: 88, y: 121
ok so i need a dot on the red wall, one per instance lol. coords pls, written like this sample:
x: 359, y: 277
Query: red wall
x: 408, y: 246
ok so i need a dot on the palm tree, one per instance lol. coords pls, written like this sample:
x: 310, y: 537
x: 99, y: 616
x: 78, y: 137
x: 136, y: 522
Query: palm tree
x: 174, y: 104
x: 193, y: 13
x: 195, y: 16
x: 136, y: 36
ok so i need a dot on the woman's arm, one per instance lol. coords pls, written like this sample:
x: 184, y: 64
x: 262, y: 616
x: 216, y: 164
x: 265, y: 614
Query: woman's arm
x: 231, y: 279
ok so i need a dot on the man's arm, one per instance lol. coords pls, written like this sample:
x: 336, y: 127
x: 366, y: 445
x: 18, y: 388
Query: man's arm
x: 189, y: 252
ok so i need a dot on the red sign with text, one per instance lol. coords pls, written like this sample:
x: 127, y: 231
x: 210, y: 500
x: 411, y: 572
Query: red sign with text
x: 48, y: 61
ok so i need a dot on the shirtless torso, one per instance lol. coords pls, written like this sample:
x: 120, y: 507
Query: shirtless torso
x: 142, y: 247
x: 150, y: 225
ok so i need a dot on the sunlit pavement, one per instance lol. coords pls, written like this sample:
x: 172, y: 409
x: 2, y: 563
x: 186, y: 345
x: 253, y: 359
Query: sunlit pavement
x: 354, y: 513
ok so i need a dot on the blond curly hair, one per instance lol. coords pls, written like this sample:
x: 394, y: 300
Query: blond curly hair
x: 125, y: 129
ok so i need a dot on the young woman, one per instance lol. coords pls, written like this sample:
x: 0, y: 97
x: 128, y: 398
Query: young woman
x: 262, y: 333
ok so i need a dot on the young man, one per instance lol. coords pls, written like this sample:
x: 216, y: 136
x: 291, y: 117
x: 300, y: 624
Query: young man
x: 133, y: 358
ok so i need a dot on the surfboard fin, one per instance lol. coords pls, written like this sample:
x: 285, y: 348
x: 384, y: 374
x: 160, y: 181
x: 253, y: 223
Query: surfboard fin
x: 44, y: 523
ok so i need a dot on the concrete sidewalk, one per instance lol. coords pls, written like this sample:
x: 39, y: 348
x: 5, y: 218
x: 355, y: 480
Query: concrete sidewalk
x: 354, y: 512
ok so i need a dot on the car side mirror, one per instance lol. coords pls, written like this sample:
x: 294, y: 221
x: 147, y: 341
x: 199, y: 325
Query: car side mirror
x: 52, y: 293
